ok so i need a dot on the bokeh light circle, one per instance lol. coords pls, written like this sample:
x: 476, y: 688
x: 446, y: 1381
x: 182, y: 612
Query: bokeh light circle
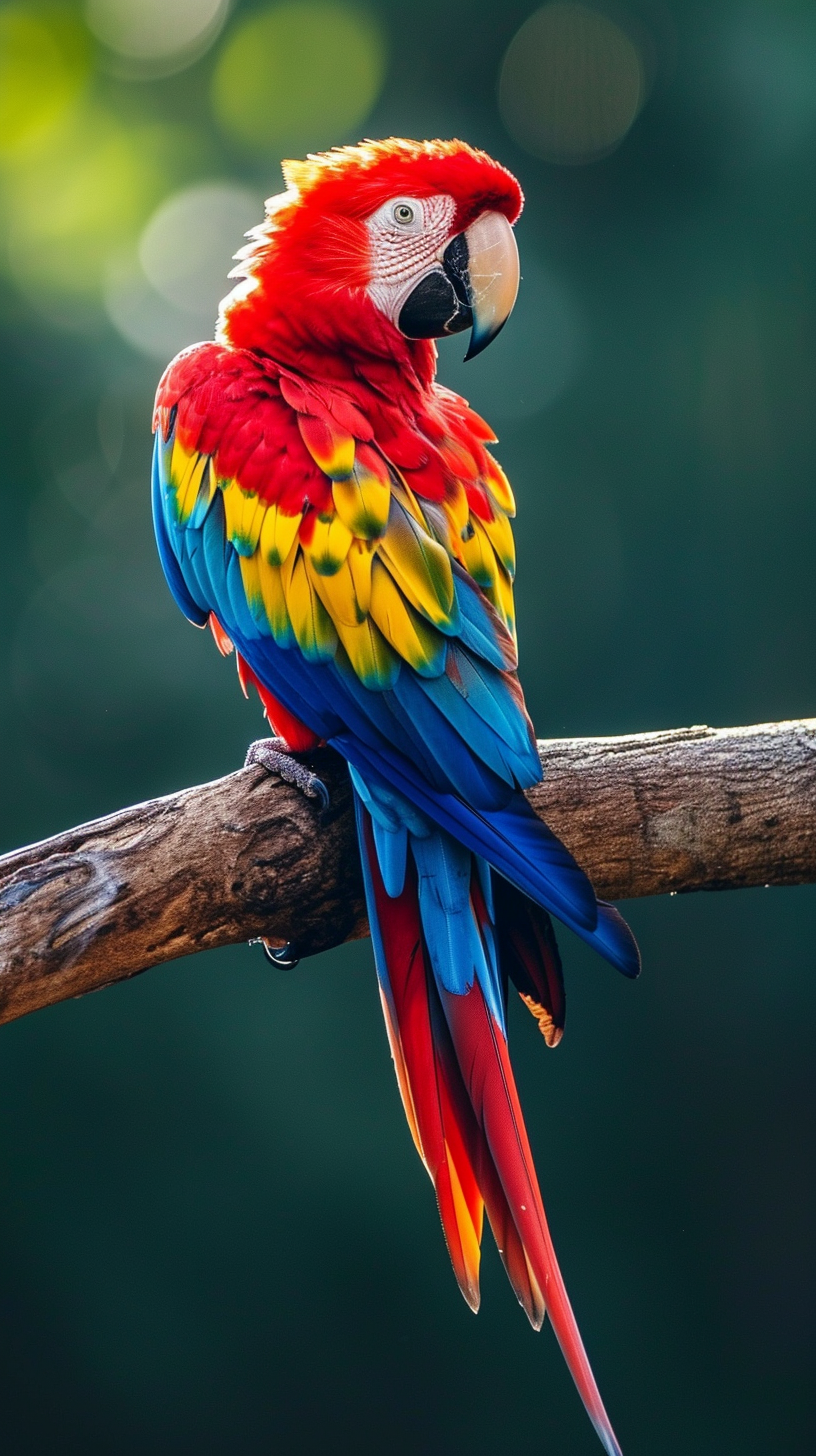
x: 152, y: 30
x: 186, y: 250
x: 301, y: 74
x: 43, y: 68
x: 571, y: 84
x: 166, y: 293
x: 88, y: 196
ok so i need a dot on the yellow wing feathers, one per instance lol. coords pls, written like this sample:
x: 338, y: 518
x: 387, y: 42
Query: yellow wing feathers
x: 363, y: 499
x: 278, y: 532
x: 194, y: 483
x: 371, y: 570
x: 263, y: 585
x: 420, y: 565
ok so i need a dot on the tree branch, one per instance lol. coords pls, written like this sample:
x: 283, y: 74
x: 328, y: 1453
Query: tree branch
x: 690, y: 809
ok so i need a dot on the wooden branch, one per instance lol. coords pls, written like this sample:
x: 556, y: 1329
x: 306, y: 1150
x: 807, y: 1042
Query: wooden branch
x: 691, y: 809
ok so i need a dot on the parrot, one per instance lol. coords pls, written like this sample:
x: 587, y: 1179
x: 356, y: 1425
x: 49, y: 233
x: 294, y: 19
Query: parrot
x: 335, y: 516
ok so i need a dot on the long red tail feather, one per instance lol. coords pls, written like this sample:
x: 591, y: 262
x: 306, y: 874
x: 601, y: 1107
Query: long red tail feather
x: 421, y: 1077
x: 462, y: 1106
x: 481, y: 1052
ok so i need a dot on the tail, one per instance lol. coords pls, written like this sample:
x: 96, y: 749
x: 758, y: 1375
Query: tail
x: 512, y: 839
x: 437, y: 936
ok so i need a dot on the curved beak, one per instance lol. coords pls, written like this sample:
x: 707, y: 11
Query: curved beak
x: 474, y: 285
x: 493, y: 277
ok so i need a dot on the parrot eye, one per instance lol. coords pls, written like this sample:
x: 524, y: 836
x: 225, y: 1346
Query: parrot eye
x: 406, y: 214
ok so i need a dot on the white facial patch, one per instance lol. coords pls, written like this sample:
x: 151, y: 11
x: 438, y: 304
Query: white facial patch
x: 408, y: 238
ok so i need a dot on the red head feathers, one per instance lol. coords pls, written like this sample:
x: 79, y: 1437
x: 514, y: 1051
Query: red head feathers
x: 372, y: 251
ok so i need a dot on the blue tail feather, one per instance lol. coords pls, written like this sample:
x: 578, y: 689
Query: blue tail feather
x: 512, y: 839
x: 460, y: 950
x: 517, y: 844
x: 392, y: 856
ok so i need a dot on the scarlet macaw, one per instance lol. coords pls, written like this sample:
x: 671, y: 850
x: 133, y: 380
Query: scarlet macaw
x: 335, y: 514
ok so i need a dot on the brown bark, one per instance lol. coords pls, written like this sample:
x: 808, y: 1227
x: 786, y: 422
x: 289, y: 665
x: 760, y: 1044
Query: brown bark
x: 689, y: 809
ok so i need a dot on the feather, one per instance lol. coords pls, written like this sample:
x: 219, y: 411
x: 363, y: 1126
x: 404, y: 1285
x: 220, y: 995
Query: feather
x: 370, y: 655
x: 529, y: 956
x: 500, y: 536
x: 362, y: 498
x: 511, y: 838
x: 499, y: 486
x: 224, y: 643
x: 329, y: 543
x: 314, y: 630
x: 478, y: 554
x: 482, y: 690
x: 465, y: 1162
x: 186, y: 472
x: 360, y: 561
x: 296, y: 735
x: 405, y: 987
x: 503, y: 1228
x: 417, y: 643
x: 392, y: 856
x: 278, y: 532
x: 184, y: 597
x: 481, y: 1051
x: 338, y: 593
x: 212, y: 565
x: 241, y: 615
x: 481, y: 630
x: 330, y: 448
x: 501, y: 741
x: 421, y: 568
x: 501, y: 595
x: 456, y: 508
x: 264, y: 594
x: 372, y: 658
x: 244, y: 517
x: 193, y: 480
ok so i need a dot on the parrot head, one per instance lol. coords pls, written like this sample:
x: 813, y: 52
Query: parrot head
x: 378, y: 249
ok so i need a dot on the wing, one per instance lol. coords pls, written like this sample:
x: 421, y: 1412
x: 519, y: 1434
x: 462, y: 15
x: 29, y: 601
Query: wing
x: 365, y: 574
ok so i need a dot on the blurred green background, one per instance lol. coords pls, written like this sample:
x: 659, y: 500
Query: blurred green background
x: 216, y: 1236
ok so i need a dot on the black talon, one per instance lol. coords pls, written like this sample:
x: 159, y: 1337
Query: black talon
x: 273, y: 754
x: 285, y: 957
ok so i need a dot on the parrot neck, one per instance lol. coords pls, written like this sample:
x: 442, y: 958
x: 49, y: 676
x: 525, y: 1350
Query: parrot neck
x: 340, y: 338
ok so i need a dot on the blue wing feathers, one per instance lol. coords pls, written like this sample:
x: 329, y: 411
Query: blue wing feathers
x: 241, y: 612
x: 215, y: 561
x: 184, y: 599
x: 615, y: 942
x: 473, y: 766
x: 480, y: 630
x: 394, y: 725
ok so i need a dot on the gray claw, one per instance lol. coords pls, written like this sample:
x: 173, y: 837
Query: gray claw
x: 273, y: 754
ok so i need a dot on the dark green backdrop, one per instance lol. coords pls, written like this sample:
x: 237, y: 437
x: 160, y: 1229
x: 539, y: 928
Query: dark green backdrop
x: 215, y: 1234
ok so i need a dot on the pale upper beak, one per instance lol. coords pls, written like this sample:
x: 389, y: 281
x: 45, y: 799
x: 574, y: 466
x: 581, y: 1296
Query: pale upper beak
x: 474, y: 285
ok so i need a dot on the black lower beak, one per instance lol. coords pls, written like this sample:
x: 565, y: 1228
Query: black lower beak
x: 440, y: 303
x: 473, y: 285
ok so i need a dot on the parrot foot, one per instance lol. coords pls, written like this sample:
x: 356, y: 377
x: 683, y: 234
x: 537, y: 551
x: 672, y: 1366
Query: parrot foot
x: 285, y: 957
x: 274, y: 755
